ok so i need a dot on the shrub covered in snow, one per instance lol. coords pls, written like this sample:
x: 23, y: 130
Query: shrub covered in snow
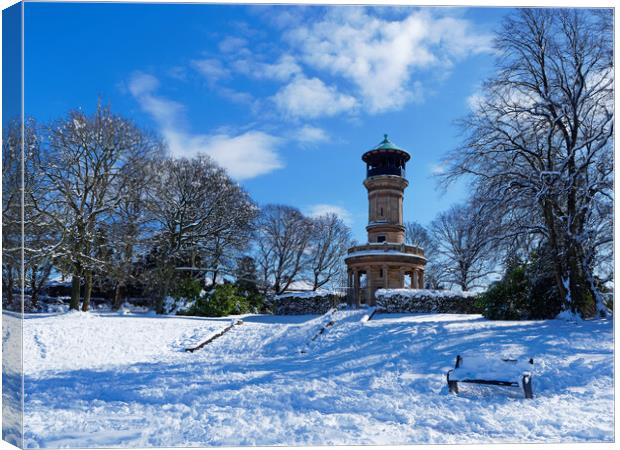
x: 424, y: 300
x: 313, y: 302
x: 223, y: 300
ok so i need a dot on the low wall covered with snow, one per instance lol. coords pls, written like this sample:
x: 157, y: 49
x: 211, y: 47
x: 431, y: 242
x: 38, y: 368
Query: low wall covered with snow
x: 426, y: 301
x: 297, y: 303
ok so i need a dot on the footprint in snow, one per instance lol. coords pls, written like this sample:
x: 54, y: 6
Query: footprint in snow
x: 40, y: 345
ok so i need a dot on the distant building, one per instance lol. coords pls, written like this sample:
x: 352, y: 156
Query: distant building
x: 385, y: 261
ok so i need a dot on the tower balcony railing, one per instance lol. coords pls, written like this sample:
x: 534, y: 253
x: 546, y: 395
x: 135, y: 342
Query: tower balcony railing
x: 376, y: 171
x: 386, y: 247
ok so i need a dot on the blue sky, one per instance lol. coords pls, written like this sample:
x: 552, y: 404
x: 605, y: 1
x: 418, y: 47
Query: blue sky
x: 286, y: 98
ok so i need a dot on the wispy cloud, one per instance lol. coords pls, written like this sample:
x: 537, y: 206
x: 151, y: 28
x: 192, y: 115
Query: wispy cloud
x: 283, y: 69
x: 310, y: 135
x: 232, y: 44
x: 321, y: 209
x: 437, y: 169
x: 165, y: 112
x: 212, y: 69
x: 244, y: 155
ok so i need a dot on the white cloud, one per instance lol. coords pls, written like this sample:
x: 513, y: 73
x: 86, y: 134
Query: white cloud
x: 321, y: 209
x: 245, y: 155
x: 142, y: 83
x: 311, y: 135
x: 437, y: 169
x: 236, y: 96
x: 379, y: 56
x: 311, y: 98
x: 164, y: 111
x: 212, y: 69
x: 232, y: 44
x: 282, y: 70
x: 475, y: 101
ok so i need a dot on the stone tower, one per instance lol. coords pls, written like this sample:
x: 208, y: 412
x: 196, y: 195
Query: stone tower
x: 385, y: 261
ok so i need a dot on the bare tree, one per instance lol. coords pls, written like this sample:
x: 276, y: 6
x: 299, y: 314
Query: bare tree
x: 11, y: 211
x: 539, y: 143
x: 328, y: 244
x: 40, y: 238
x: 83, y: 165
x: 131, y: 227
x: 283, y: 235
x: 434, y: 271
x: 463, y: 248
x: 201, y: 215
x: 228, y: 244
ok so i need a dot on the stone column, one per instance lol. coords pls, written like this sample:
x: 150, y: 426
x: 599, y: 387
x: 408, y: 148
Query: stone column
x: 421, y: 278
x: 401, y: 278
x: 414, y: 279
x: 356, y: 288
x: 369, y: 298
x: 386, y: 277
x: 349, y: 287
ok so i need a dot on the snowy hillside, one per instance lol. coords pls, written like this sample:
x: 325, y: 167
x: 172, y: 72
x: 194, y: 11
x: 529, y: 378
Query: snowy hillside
x: 112, y: 380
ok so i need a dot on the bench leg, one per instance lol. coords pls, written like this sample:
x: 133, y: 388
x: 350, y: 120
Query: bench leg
x: 453, y: 387
x: 527, y: 387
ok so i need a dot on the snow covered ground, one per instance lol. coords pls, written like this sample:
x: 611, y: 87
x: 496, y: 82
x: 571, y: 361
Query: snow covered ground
x: 124, y: 380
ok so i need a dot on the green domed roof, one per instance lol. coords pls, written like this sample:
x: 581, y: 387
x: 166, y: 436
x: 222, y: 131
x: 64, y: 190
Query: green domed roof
x: 385, y: 147
x: 386, y: 144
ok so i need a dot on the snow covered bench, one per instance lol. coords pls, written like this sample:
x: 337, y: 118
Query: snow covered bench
x: 498, y: 372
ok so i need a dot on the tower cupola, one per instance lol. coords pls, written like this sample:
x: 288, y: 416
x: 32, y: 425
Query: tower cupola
x: 385, y: 159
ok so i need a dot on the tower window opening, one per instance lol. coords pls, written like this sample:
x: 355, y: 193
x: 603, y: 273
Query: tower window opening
x: 380, y: 273
x: 408, y: 281
x: 381, y: 213
x: 363, y: 280
x: 381, y: 238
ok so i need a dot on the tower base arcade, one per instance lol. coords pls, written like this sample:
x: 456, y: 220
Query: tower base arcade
x: 382, y: 266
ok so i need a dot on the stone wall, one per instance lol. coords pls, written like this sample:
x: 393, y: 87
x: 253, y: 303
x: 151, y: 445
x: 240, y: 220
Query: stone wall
x: 426, y: 301
x: 302, y: 303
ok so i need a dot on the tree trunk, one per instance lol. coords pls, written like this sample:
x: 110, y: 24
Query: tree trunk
x: 75, y: 292
x: 9, y: 286
x: 88, y: 287
x: 582, y: 301
x: 163, y: 290
x: 117, y: 297
x: 315, y: 282
x: 558, y: 266
x: 34, y: 291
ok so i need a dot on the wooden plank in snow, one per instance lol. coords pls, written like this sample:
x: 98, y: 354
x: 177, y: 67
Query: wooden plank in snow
x: 215, y: 336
